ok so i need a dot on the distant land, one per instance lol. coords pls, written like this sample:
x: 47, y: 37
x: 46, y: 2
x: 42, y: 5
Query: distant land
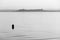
x: 30, y: 10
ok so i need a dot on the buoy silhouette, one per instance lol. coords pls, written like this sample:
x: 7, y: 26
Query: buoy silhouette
x: 12, y: 26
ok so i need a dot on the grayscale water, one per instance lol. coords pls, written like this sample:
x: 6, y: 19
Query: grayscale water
x: 30, y: 25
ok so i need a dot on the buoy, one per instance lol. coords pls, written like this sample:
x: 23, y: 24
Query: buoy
x: 12, y: 26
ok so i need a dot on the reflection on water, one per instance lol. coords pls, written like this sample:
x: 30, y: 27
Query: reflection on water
x: 4, y: 36
x: 23, y: 37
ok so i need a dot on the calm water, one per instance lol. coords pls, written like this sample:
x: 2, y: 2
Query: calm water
x: 30, y: 25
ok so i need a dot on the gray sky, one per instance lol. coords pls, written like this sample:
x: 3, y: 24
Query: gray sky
x: 29, y: 4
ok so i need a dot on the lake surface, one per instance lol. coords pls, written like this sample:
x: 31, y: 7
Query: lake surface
x: 30, y: 25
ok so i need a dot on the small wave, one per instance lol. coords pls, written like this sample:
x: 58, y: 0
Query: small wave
x: 19, y: 36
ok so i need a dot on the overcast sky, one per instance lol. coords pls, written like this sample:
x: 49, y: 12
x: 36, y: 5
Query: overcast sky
x: 29, y: 4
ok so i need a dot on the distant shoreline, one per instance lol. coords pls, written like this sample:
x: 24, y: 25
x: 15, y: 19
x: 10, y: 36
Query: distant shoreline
x: 31, y: 10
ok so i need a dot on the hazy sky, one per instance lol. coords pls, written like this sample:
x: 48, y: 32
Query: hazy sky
x: 29, y: 4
